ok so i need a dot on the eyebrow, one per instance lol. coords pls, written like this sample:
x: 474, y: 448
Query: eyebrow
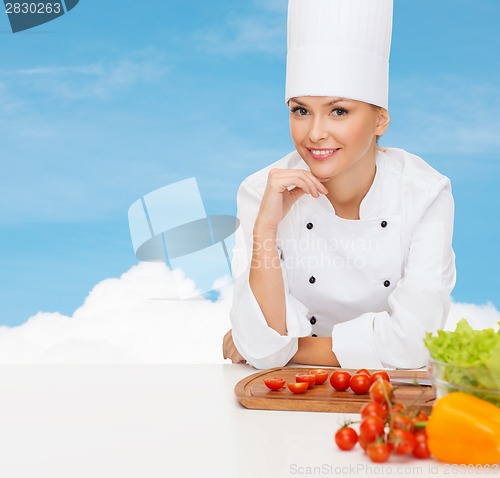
x: 330, y: 103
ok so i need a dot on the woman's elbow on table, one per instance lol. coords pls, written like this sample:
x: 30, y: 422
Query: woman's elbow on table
x: 407, y: 353
x: 276, y: 359
x: 415, y: 358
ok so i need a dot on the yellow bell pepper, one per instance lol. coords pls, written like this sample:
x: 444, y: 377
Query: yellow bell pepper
x: 464, y: 429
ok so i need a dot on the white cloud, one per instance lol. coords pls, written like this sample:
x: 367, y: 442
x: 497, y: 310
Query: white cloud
x: 478, y: 316
x: 131, y: 319
x: 96, y: 80
x: 135, y: 319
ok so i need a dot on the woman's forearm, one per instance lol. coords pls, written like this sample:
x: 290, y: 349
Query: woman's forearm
x: 266, y: 282
x: 315, y: 351
x: 266, y: 279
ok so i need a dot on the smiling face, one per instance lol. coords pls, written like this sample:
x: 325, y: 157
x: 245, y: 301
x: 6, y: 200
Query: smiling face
x: 335, y: 136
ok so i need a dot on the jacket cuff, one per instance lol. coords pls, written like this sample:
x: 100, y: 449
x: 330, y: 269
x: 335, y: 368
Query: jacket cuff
x: 278, y: 359
x: 353, y: 343
x: 254, y: 339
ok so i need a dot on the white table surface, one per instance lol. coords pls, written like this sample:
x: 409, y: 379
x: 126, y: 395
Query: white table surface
x: 166, y: 421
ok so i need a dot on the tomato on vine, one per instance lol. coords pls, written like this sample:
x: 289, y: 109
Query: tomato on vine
x: 387, y: 426
x: 378, y: 452
x: 381, y: 391
x: 371, y: 428
x: 373, y: 408
x: 400, y: 421
x: 421, y: 450
x: 346, y: 437
x: 401, y: 441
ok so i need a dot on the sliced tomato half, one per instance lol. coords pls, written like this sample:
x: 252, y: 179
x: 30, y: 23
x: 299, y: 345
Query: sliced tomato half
x: 308, y: 378
x: 321, y: 375
x: 298, y: 387
x: 274, y: 383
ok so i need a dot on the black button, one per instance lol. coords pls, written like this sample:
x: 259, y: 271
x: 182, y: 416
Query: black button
x: 309, y: 225
x: 312, y: 320
x: 387, y: 283
x: 312, y: 279
x: 383, y: 223
x: 313, y: 335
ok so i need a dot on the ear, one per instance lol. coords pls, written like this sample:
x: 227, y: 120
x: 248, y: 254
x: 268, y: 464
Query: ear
x: 383, y: 121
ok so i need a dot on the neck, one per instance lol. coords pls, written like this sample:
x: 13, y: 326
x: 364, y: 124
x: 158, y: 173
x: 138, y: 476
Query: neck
x: 347, y: 190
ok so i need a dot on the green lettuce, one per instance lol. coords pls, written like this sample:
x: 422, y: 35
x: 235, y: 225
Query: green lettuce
x: 474, y: 354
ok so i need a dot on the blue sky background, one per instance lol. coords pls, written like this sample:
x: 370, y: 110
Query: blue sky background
x: 116, y: 99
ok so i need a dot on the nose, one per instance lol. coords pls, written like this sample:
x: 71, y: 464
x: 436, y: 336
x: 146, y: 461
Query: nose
x: 318, y: 130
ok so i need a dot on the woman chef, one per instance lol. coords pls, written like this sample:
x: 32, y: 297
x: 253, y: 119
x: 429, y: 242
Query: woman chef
x: 344, y: 251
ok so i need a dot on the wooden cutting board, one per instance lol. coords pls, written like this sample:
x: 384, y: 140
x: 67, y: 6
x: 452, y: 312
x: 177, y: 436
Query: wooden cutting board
x: 253, y: 393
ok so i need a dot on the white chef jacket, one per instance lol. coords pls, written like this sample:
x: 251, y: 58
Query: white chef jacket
x: 376, y: 284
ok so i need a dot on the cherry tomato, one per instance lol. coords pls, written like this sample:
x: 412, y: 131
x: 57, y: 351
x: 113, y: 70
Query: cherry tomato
x: 363, y: 443
x: 274, y: 383
x: 378, y: 452
x: 363, y: 370
x: 321, y: 375
x: 381, y: 391
x: 403, y: 422
x: 397, y: 407
x: 401, y: 441
x: 339, y: 380
x: 371, y: 427
x: 360, y: 383
x: 421, y: 416
x: 380, y: 374
x: 420, y: 420
x: 394, y: 407
x: 421, y: 450
x: 373, y: 408
x: 308, y: 378
x: 346, y: 438
x: 298, y: 387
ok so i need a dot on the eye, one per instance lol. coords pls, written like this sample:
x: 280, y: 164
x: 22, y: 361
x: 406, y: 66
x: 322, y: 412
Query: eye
x: 339, y: 112
x: 299, y: 111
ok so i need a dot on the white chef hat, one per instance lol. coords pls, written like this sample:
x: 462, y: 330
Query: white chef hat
x: 339, y: 48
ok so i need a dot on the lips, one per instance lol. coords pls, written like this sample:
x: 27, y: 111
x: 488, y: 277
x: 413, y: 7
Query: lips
x: 322, y: 154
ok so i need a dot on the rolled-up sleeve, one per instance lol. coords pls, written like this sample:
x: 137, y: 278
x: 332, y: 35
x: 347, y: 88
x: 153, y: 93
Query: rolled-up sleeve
x: 262, y: 346
x: 420, y: 301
